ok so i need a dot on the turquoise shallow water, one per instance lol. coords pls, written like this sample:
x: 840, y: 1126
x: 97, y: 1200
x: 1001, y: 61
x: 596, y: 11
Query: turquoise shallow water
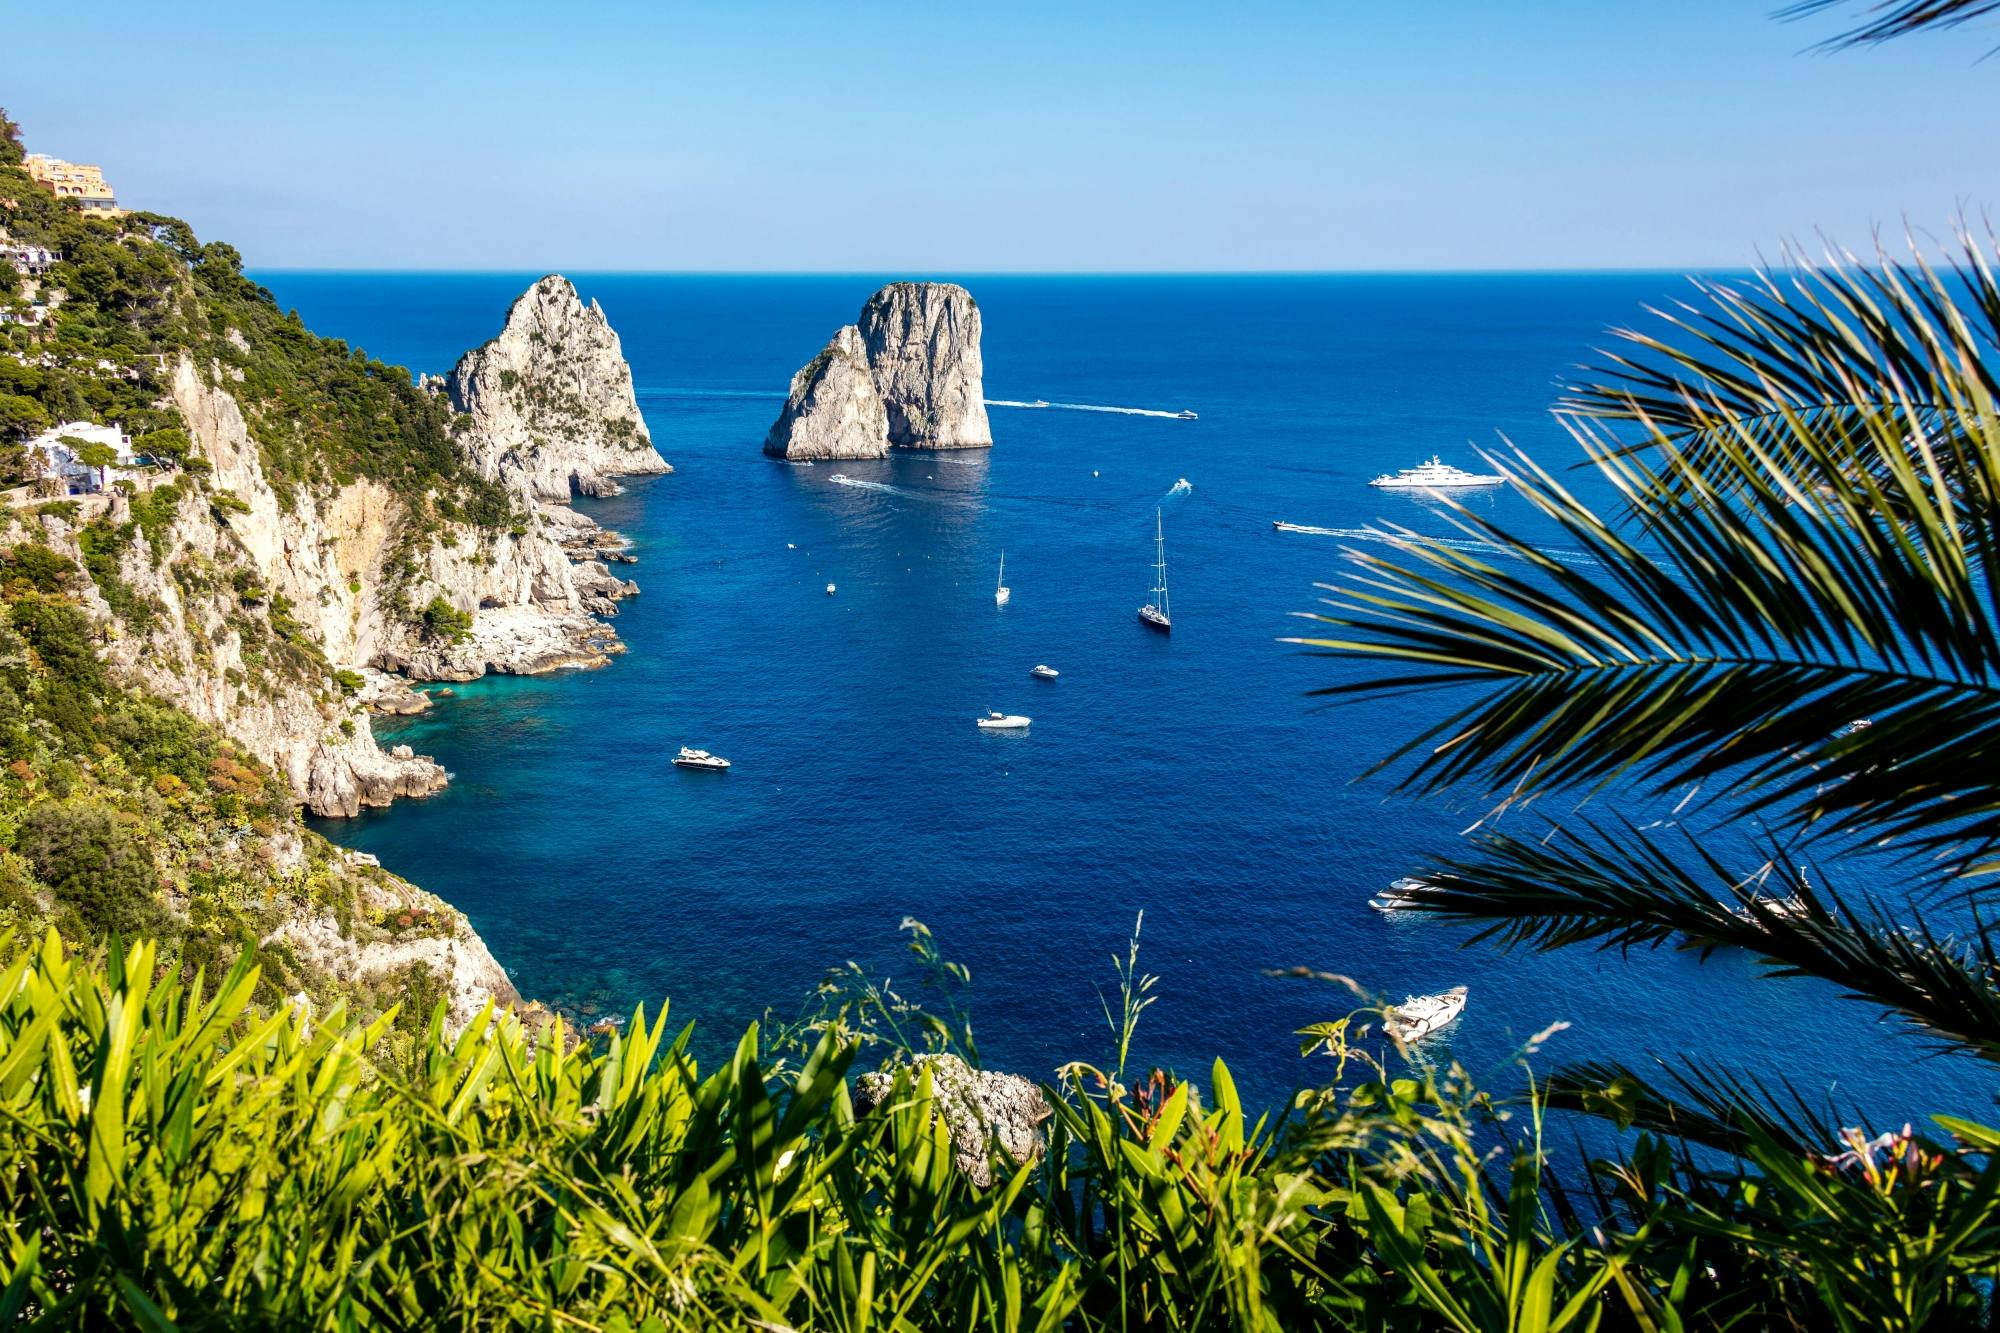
x: 1190, y: 777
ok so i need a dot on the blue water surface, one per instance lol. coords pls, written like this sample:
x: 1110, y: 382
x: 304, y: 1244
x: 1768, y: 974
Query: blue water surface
x: 1191, y: 778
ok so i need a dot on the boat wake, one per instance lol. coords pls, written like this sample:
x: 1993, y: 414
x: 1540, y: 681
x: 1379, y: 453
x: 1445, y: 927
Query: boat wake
x: 1469, y: 545
x: 842, y: 479
x: 1039, y: 404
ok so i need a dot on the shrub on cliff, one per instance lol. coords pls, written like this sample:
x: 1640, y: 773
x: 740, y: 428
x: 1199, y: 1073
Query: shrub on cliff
x: 443, y: 621
x: 103, y: 877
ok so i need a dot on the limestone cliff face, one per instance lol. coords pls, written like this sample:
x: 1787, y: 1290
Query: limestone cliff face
x: 911, y: 364
x: 550, y: 403
x: 923, y: 350
x: 833, y: 410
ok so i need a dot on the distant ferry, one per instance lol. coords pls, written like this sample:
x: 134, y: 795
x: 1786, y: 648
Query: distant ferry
x: 1436, y: 476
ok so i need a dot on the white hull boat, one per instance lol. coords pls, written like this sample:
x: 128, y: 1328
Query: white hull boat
x: 1001, y: 592
x: 1436, y: 475
x: 1044, y: 673
x: 1154, y: 614
x: 1400, y: 896
x: 702, y: 759
x: 1421, y: 1015
x: 829, y: 590
x: 1003, y: 722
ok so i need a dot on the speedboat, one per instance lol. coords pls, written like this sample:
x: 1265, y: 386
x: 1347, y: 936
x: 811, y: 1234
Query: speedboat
x: 687, y: 758
x: 1044, y: 673
x: 997, y: 721
x: 1185, y: 415
x: 1421, y: 1015
x: 829, y: 590
x: 1401, y: 895
x: 1436, y: 475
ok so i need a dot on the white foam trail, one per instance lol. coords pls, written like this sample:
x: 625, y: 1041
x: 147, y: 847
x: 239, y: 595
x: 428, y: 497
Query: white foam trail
x: 1471, y: 546
x: 964, y: 462
x: 1087, y: 407
x: 842, y: 479
x: 1181, y: 487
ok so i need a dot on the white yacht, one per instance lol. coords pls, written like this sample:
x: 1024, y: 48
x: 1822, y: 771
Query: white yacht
x: 1400, y: 895
x: 997, y: 721
x: 1001, y: 592
x: 1154, y: 614
x: 1044, y: 672
x: 1421, y: 1015
x: 687, y: 758
x: 1436, y: 475
x: 829, y: 590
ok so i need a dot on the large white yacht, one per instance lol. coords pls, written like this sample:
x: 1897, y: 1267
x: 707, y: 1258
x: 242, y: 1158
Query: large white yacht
x: 1421, y: 1015
x: 1435, y: 475
x: 700, y: 759
x: 998, y: 721
x: 1401, y: 895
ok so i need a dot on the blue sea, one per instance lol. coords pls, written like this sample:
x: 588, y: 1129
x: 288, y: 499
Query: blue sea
x: 1189, y: 778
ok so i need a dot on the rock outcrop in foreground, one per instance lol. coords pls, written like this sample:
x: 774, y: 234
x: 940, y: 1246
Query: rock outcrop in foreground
x: 550, y: 400
x: 983, y: 1111
x: 907, y: 375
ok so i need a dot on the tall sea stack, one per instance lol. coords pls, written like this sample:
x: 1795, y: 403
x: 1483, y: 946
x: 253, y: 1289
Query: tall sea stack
x: 907, y: 375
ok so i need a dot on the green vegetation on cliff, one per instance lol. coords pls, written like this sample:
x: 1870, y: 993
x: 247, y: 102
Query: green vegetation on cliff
x: 138, y: 293
x: 120, y: 814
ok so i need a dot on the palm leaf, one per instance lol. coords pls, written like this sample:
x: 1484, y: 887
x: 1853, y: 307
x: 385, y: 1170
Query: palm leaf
x: 1889, y: 19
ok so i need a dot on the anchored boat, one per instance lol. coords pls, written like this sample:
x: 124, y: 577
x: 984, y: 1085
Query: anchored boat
x: 1001, y: 592
x: 1421, y: 1015
x: 702, y: 759
x: 1154, y: 614
x: 1436, y: 475
x: 1401, y: 895
x: 1044, y: 673
x: 998, y: 721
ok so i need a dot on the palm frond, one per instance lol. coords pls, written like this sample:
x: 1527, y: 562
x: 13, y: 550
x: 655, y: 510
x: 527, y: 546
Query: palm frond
x: 1615, y: 886
x: 1716, y: 1109
x: 1889, y: 19
x: 1787, y: 577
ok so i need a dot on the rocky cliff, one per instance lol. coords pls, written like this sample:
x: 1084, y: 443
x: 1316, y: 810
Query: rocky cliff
x: 923, y: 351
x: 908, y: 375
x: 833, y: 410
x: 244, y: 604
x: 548, y: 404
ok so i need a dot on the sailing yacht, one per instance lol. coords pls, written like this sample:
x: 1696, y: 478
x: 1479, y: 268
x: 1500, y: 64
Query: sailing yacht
x: 1154, y: 614
x: 1001, y: 592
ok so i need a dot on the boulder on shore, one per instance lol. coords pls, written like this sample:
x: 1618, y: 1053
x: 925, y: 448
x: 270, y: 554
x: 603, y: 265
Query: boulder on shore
x: 982, y: 1110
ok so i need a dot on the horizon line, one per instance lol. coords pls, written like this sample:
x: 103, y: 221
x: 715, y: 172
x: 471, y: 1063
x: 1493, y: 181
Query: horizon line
x: 1608, y: 271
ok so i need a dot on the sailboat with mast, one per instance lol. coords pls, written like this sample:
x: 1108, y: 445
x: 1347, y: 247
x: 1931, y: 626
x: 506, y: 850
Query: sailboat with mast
x: 1001, y: 592
x: 1154, y: 614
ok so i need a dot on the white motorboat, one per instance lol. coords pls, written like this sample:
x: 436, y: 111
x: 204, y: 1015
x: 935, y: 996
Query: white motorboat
x: 1421, y: 1015
x: 1154, y: 614
x: 1401, y: 895
x: 829, y: 590
x: 1436, y: 475
x: 1001, y: 592
x: 1044, y: 673
x: 997, y: 721
x: 702, y: 759
x: 1185, y: 415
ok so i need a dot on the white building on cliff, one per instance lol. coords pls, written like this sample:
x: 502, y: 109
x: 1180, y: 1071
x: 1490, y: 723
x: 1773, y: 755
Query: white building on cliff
x: 63, y: 449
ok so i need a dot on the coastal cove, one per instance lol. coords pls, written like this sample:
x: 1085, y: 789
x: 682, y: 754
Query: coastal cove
x: 1189, y: 778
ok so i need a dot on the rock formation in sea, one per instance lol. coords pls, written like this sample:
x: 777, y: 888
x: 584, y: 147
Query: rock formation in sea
x: 833, y: 410
x: 244, y: 607
x: 549, y: 403
x: 918, y: 344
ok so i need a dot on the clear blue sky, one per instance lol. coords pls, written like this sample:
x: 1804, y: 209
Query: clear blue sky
x: 944, y: 136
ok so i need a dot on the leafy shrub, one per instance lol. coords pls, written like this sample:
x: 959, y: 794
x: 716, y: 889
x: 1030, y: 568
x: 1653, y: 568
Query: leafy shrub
x: 96, y: 868
x: 441, y: 620
x: 32, y: 566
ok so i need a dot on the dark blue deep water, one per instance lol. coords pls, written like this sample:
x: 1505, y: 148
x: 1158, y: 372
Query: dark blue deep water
x: 1191, y: 778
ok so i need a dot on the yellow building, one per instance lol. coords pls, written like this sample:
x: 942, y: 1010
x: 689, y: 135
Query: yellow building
x: 72, y: 180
